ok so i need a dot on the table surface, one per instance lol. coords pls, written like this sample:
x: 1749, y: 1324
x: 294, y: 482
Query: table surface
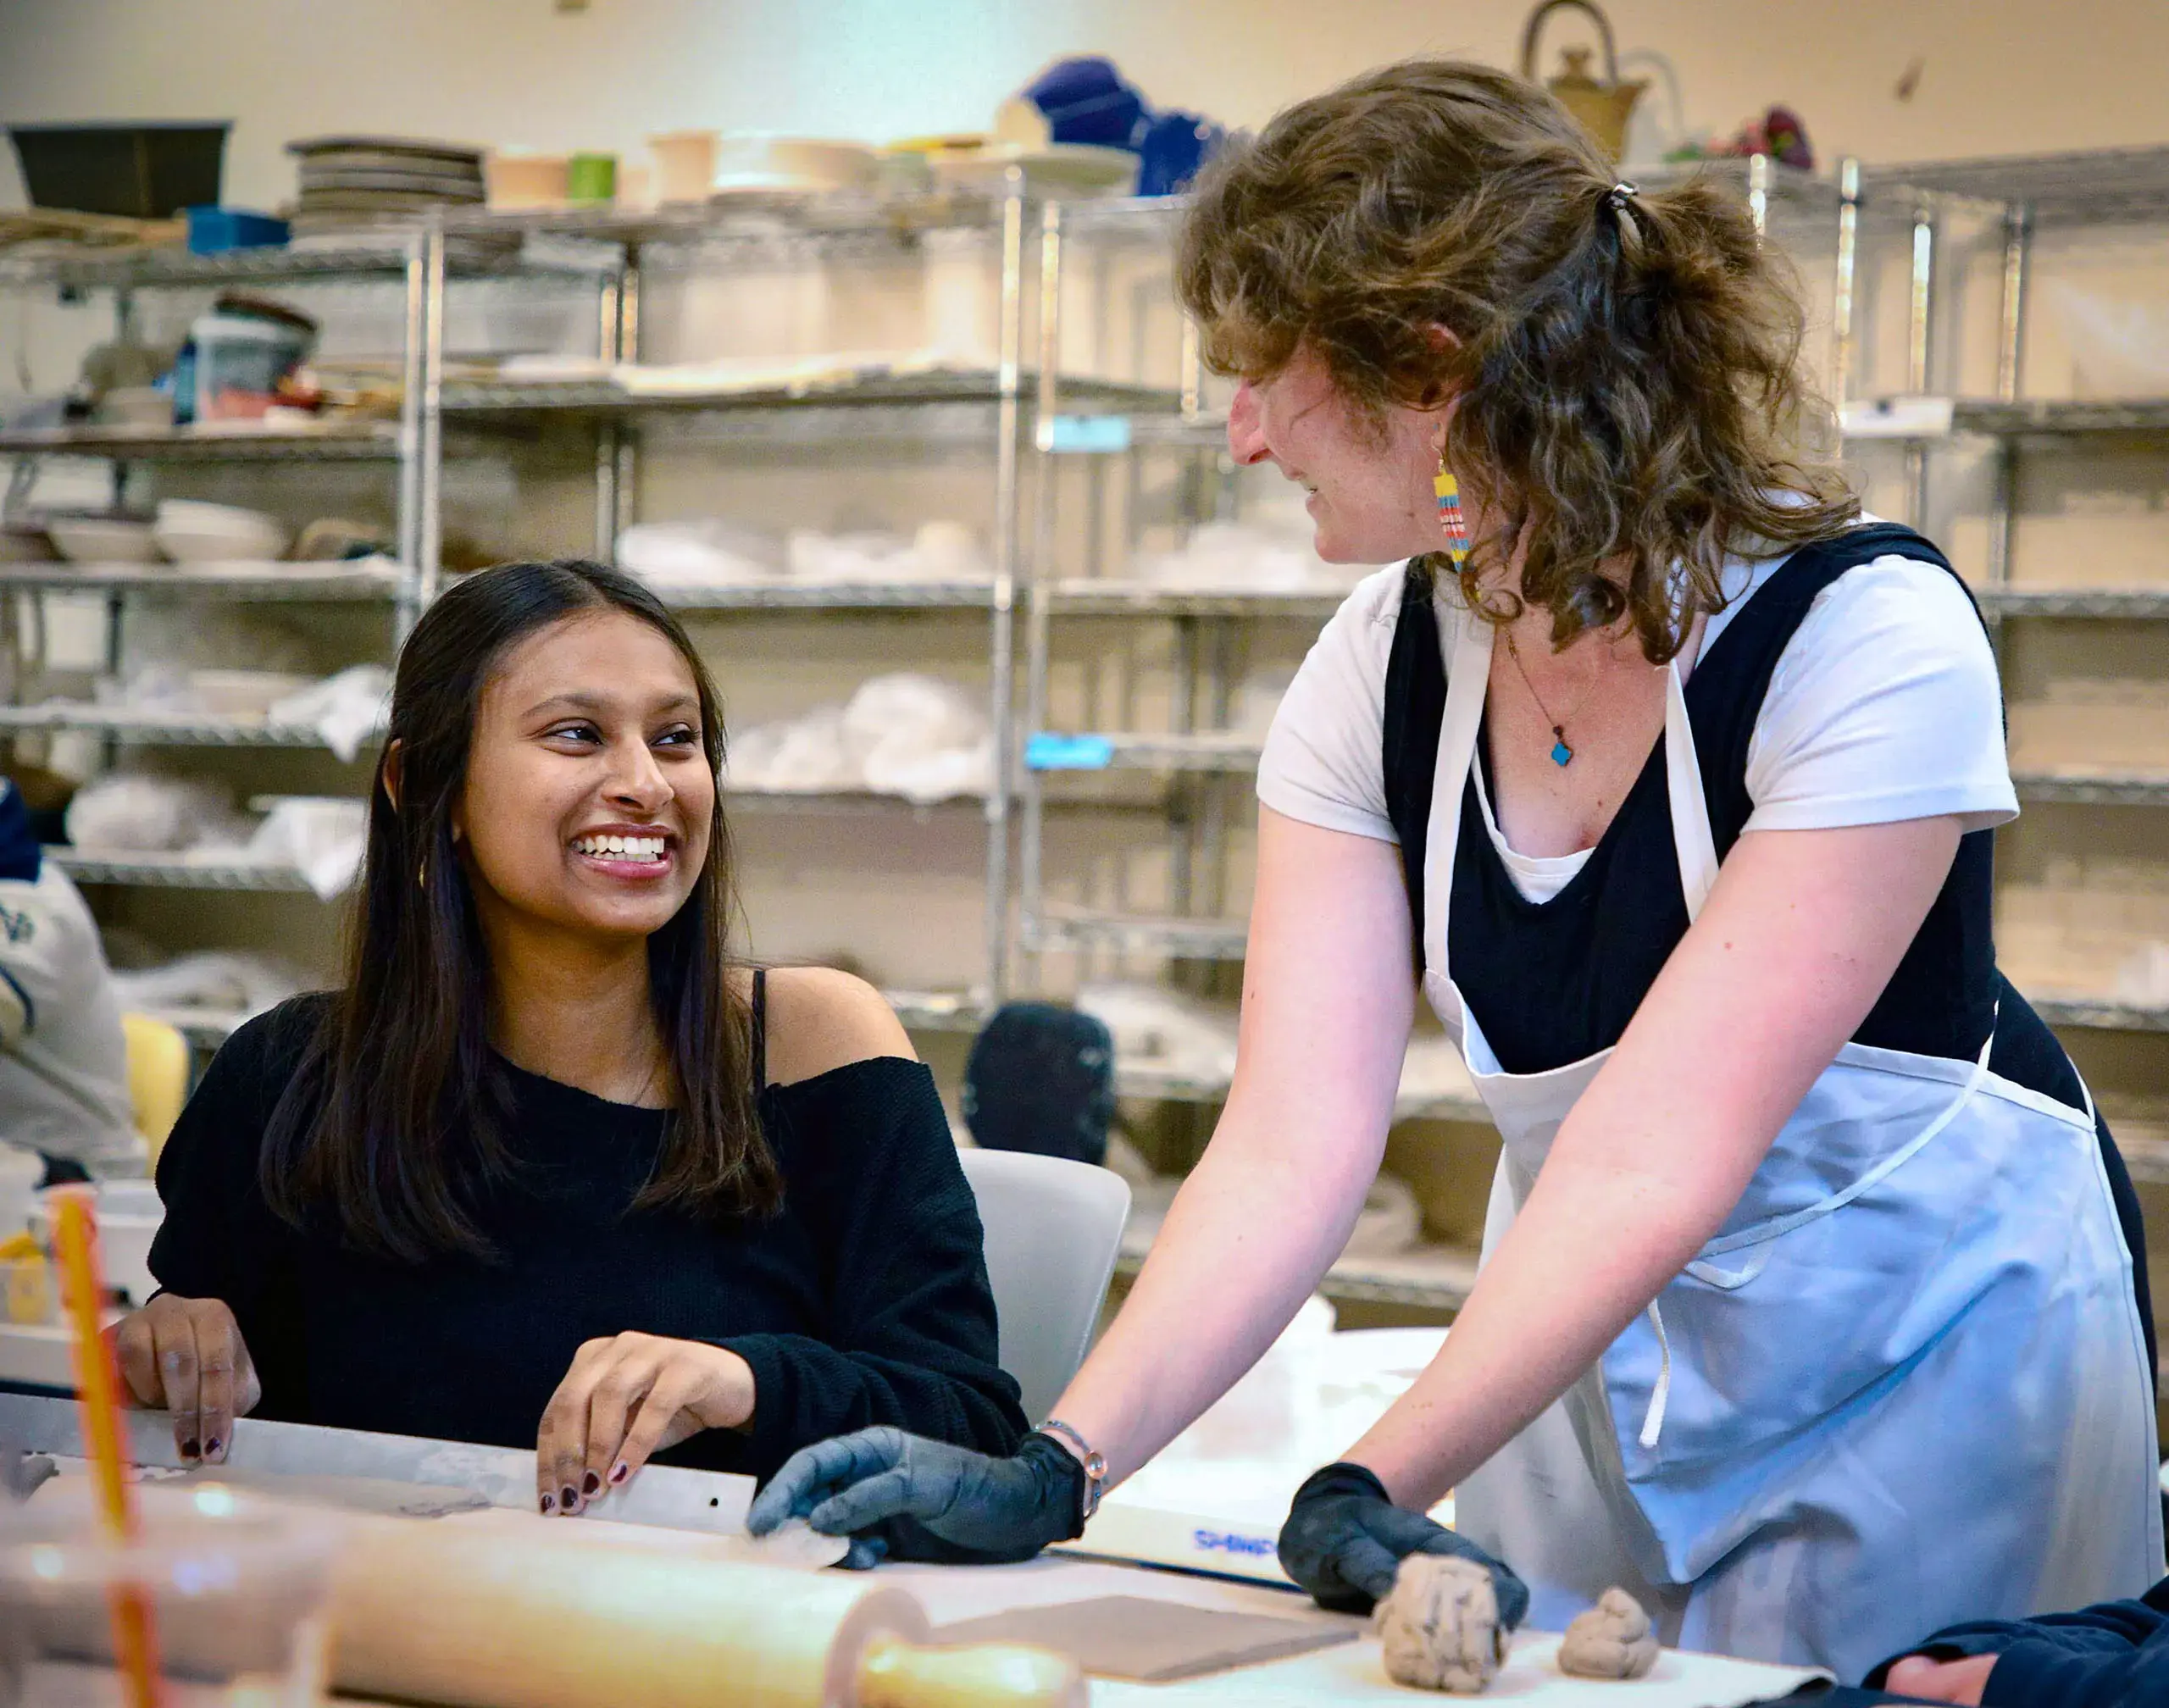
x: 1270, y: 1431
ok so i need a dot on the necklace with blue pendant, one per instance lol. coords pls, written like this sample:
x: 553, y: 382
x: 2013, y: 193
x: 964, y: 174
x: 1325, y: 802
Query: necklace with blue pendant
x: 1455, y: 527
x: 1562, y: 754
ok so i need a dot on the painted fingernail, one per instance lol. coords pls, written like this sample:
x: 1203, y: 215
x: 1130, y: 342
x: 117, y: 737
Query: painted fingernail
x: 549, y: 1504
x: 189, y: 1449
x: 620, y: 1471
x: 593, y: 1485
x: 568, y: 1498
x: 212, y: 1448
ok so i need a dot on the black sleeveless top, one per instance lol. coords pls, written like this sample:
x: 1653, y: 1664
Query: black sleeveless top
x: 1555, y: 982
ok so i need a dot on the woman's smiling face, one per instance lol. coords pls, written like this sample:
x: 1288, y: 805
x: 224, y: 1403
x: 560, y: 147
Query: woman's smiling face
x: 588, y: 794
x: 1370, y: 482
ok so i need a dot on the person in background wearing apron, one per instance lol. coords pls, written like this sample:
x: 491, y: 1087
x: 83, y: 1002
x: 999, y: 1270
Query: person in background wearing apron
x: 1807, y: 1312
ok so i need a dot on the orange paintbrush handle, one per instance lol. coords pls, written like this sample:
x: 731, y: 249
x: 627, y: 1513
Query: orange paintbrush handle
x: 98, y: 1386
x: 97, y: 1382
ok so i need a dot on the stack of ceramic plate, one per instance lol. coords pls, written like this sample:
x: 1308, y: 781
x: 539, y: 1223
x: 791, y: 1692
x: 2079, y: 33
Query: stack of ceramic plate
x: 350, y: 181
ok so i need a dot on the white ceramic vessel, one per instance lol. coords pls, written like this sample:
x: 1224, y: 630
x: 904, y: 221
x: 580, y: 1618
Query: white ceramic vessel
x: 102, y: 540
x: 192, y: 532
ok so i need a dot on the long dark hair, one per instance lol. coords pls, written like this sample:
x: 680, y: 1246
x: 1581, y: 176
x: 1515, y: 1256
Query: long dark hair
x: 397, y: 1116
x: 1625, y: 366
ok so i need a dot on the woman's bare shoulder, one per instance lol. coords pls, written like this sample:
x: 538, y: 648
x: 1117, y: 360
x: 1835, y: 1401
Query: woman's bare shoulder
x: 820, y: 1019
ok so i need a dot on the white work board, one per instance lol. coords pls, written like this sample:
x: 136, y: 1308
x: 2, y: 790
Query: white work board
x: 1352, y: 1673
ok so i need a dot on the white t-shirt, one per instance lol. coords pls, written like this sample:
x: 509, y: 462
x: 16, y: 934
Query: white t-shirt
x: 1885, y: 705
x: 63, y: 1059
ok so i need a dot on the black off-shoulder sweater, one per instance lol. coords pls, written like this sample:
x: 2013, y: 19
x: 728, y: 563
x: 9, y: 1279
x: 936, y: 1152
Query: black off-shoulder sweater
x: 864, y: 1301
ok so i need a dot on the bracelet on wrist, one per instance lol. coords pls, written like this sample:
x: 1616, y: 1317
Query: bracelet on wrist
x: 1094, y: 1461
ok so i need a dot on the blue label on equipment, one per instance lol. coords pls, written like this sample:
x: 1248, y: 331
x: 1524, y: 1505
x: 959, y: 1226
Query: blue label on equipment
x: 1218, y: 1542
x: 1088, y: 436
x: 1045, y: 753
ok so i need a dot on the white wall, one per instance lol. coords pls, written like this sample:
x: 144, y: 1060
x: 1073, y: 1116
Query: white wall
x: 1999, y: 75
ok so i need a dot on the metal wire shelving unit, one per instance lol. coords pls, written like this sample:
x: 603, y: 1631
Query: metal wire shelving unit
x: 995, y: 407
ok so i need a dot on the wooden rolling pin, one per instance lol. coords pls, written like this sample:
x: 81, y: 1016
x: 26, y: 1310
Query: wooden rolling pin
x: 487, y: 1617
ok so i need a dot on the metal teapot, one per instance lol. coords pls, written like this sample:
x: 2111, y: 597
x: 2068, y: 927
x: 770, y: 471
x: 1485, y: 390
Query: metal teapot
x: 1603, y: 108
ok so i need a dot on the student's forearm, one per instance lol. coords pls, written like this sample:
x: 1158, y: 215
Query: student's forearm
x: 1247, y: 1239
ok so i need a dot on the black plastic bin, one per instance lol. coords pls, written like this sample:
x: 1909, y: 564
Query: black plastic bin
x: 141, y: 171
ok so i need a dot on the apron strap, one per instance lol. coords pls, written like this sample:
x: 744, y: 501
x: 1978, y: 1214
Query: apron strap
x: 1467, y: 682
x: 1764, y: 1232
x: 1692, y: 839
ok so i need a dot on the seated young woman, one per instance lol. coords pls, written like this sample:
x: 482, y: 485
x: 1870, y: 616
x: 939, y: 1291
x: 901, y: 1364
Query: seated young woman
x: 550, y: 1167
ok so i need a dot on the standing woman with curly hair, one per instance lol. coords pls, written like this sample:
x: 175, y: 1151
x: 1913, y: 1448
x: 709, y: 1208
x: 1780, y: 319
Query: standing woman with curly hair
x: 1809, y: 1310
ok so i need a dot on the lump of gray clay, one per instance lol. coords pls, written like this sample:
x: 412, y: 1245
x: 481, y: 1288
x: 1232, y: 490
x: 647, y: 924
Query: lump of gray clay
x: 1440, y: 1625
x: 1612, y: 1640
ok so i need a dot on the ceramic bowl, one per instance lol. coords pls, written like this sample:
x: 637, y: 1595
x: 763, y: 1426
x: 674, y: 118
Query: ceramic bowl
x: 190, y: 532
x: 685, y: 164
x: 751, y: 161
x: 102, y: 540
x: 1061, y: 169
x: 528, y: 181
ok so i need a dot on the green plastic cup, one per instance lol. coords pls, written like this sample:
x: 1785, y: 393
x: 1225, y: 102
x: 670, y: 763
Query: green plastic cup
x: 592, y: 178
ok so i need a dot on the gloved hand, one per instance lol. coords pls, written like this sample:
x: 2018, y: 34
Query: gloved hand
x: 1345, y: 1540
x: 901, y: 1494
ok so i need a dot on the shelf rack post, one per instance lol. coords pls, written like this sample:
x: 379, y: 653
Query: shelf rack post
x: 616, y: 339
x: 429, y: 555
x: 2010, y: 356
x: 1920, y: 350
x: 415, y: 274
x: 1039, y: 583
x: 1003, y: 639
x: 1842, y: 353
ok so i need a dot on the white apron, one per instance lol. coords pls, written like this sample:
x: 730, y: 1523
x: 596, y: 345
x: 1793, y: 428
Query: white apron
x: 1904, y: 1386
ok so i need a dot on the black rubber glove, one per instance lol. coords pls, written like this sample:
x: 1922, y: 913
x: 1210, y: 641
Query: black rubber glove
x: 1345, y: 1540
x: 912, y: 1499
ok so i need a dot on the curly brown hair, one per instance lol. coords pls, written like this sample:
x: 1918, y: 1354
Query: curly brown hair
x: 1622, y: 385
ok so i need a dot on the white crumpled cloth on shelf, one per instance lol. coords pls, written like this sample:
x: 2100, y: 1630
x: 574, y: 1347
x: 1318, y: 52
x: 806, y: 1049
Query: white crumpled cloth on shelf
x: 346, y: 709
x: 905, y: 735
x: 321, y: 837
x: 127, y: 813
x: 715, y: 550
x: 1243, y: 557
x: 245, y: 984
x: 937, y: 551
x: 797, y: 375
x: 708, y: 550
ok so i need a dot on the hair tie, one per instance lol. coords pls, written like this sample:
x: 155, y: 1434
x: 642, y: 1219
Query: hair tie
x: 1618, y: 194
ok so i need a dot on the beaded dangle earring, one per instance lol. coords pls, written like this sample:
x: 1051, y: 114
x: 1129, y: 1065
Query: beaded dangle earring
x: 1451, y: 522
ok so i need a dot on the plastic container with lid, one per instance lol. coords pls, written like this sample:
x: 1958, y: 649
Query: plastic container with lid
x: 242, y: 350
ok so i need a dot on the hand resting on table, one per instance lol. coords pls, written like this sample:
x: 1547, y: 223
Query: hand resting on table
x: 188, y: 1356
x: 1942, y: 1680
x: 899, y: 1495
x: 626, y: 1397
